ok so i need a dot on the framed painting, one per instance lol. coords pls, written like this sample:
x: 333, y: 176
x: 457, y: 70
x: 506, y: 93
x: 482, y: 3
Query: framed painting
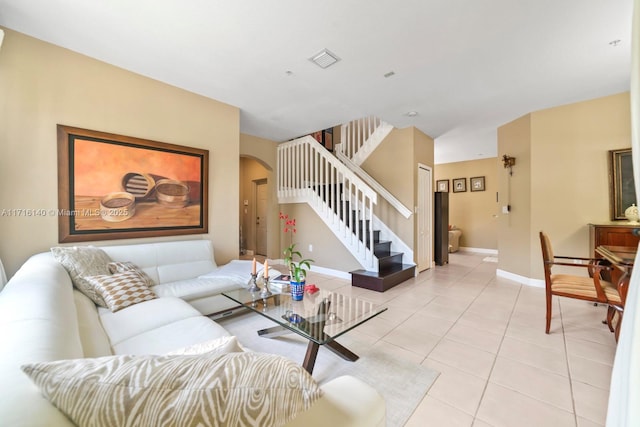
x: 119, y: 187
x: 622, y: 190
x: 442, y: 185
x: 325, y: 138
x: 476, y: 183
x: 459, y: 185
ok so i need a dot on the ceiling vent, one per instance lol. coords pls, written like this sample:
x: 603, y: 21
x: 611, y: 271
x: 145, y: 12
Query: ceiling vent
x: 324, y: 59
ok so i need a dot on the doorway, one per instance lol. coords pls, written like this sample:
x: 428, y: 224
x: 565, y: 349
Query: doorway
x: 261, y: 204
x: 424, y: 218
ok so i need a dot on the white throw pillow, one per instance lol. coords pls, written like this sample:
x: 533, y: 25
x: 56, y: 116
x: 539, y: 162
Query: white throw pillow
x: 82, y: 261
x: 254, y: 389
x: 222, y: 345
x: 121, y: 290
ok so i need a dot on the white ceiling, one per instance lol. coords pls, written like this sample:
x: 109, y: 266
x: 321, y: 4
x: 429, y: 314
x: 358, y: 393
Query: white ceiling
x: 465, y: 66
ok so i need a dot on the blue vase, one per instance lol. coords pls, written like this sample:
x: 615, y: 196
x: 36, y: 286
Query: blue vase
x: 297, y: 290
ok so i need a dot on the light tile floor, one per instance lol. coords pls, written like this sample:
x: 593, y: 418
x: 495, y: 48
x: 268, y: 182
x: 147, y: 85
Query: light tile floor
x: 485, y: 335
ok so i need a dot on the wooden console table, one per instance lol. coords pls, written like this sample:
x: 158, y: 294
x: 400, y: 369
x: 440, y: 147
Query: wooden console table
x: 615, y: 233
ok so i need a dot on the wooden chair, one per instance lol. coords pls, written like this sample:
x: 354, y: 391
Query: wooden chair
x: 592, y: 288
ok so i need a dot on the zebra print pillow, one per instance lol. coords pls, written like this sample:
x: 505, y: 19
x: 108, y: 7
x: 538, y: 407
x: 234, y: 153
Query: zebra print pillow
x: 249, y: 389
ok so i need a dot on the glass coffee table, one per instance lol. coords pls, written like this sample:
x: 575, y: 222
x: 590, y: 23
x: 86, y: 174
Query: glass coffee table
x: 320, y: 318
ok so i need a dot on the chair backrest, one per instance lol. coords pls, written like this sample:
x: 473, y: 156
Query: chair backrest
x: 547, y: 257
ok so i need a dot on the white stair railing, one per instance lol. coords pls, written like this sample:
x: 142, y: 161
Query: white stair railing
x: 307, y: 173
x: 359, y: 138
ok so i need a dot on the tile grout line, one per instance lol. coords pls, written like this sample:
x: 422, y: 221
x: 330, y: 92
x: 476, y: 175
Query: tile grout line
x: 486, y: 384
x: 566, y: 355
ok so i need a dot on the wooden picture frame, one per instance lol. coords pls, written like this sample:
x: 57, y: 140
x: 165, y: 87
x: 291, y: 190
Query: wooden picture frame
x: 476, y: 183
x: 324, y: 137
x: 442, y: 185
x: 622, y: 190
x: 119, y: 187
x: 459, y: 185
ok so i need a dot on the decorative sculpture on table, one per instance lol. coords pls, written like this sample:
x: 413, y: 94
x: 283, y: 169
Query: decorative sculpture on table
x: 631, y: 213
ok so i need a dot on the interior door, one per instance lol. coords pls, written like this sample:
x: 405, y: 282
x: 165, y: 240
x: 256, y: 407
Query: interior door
x: 424, y: 219
x: 261, y: 217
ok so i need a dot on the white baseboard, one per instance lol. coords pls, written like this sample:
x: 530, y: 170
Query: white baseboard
x: 331, y: 272
x: 479, y: 250
x: 536, y: 283
x: 322, y: 270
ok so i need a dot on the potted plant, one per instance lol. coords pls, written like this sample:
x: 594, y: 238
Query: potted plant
x: 297, y: 269
x: 293, y: 259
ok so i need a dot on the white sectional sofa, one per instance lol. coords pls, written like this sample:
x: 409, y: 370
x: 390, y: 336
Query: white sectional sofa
x: 44, y: 318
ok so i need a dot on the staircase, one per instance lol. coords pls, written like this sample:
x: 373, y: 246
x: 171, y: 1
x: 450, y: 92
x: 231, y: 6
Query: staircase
x: 308, y: 173
x: 391, y: 269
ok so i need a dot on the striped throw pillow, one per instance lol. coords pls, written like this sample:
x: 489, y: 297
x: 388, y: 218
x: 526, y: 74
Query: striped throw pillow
x: 235, y: 389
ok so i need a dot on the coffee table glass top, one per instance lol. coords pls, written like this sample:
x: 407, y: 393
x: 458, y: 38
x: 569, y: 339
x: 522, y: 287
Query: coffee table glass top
x: 320, y: 317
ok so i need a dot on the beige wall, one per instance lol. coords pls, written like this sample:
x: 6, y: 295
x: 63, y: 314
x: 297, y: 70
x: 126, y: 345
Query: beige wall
x: 328, y: 251
x: 575, y: 140
x: 394, y: 164
x: 474, y: 212
x: 42, y: 85
x: 560, y: 181
x: 514, y: 237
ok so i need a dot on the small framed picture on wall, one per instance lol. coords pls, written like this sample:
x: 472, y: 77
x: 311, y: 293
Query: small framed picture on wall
x: 459, y: 185
x: 442, y: 185
x: 477, y: 183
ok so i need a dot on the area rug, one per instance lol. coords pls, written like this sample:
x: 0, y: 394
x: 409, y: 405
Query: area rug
x: 403, y: 384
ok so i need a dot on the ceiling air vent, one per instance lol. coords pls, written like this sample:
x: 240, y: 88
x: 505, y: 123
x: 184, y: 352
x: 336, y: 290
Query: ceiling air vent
x: 324, y: 59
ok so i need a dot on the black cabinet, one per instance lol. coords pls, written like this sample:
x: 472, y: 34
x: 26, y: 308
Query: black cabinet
x: 441, y: 228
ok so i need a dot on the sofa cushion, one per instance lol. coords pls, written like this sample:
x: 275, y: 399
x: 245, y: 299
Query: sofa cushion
x: 82, y: 261
x: 167, y: 261
x: 175, y: 335
x: 197, y: 288
x: 255, y: 389
x: 122, y: 266
x: 139, y: 318
x: 222, y: 345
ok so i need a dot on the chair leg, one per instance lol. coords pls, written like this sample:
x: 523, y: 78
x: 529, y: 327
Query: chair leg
x: 618, y: 324
x: 611, y: 312
x: 548, y: 312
